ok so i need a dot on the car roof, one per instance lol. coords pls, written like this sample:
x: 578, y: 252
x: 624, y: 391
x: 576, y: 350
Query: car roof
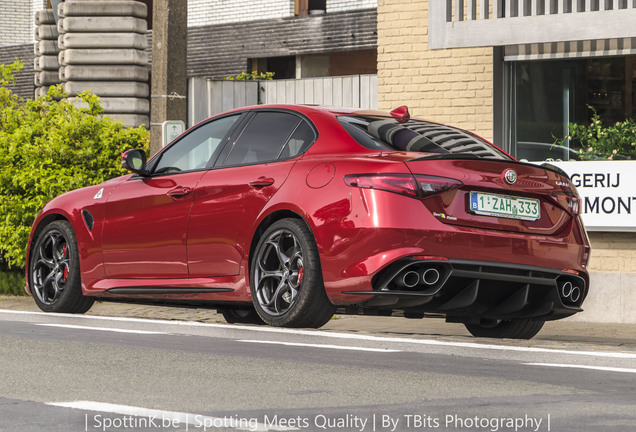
x: 308, y: 109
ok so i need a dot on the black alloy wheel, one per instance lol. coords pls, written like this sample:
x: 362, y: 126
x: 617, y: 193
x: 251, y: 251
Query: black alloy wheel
x: 286, y: 277
x: 54, y: 271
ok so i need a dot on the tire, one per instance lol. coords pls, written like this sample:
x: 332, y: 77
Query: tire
x: 514, y: 329
x: 286, y: 277
x: 54, y: 271
x: 241, y: 316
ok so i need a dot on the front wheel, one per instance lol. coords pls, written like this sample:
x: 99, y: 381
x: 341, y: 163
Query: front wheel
x: 54, y: 271
x: 513, y: 329
x: 286, y: 277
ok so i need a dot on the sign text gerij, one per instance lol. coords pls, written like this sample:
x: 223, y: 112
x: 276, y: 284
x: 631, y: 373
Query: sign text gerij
x: 608, y: 193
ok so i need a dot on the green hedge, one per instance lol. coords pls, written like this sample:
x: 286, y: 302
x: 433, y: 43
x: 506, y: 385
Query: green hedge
x: 12, y: 282
x: 49, y: 146
x: 599, y: 142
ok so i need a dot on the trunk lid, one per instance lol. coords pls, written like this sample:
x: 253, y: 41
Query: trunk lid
x: 501, y: 195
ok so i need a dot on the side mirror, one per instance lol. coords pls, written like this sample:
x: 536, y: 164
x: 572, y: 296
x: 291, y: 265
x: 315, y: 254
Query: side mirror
x: 134, y: 160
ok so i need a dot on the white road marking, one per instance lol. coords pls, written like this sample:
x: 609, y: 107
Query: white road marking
x: 116, y: 330
x: 599, y: 368
x: 340, y: 347
x: 336, y: 335
x: 151, y: 417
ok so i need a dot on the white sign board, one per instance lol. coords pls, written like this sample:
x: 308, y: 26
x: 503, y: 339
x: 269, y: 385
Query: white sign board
x: 608, y: 193
x: 170, y: 129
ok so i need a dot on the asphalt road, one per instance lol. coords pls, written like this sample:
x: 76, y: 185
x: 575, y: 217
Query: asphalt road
x: 93, y: 373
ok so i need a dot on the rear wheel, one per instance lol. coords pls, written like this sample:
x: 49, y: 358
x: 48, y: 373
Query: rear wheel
x: 513, y: 329
x: 54, y: 271
x: 241, y: 316
x: 286, y: 278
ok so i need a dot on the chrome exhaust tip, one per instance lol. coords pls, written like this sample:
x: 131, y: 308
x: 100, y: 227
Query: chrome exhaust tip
x: 570, y: 292
x: 430, y: 276
x: 408, y: 279
x: 566, y: 290
x: 576, y: 294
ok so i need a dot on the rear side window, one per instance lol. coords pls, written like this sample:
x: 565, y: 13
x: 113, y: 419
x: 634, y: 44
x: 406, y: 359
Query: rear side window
x: 431, y: 139
x: 299, y: 141
x: 268, y: 136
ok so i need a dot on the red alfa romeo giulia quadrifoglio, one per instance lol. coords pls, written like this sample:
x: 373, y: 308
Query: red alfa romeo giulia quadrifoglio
x: 281, y: 214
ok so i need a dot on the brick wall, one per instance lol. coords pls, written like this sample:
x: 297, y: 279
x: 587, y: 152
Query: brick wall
x: 23, y: 86
x: 16, y: 25
x: 450, y: 86
x: 206, y: 12
x: 347, y: 5
x: 613, y: 252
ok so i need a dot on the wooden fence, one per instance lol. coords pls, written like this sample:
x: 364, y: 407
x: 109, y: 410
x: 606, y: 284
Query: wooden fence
x: 209, y: 97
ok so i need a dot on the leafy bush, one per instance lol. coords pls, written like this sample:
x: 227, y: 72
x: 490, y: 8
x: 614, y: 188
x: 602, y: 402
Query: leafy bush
x: 48, y: 147
x: 598, y: 142
x: 252, y: 76
x: 12, y: 282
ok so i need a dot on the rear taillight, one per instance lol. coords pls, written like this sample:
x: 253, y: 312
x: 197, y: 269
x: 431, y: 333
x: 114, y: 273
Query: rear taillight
x: 569, y: 201
x: 418, y: 186
x: 399, y: 183
x: 432, y: 185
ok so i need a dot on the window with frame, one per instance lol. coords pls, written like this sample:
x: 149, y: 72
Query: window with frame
x: 299, y: 141
x: 269, y: 136
x: 303, y: 7
x: 195, y: 150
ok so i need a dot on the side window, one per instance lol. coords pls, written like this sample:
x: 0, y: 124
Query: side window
x: 193, y: 152
x: 302, y: 138
x: 263, y: 138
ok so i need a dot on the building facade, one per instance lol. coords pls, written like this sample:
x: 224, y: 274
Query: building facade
x: 292, y: 38
x: 286, y: 37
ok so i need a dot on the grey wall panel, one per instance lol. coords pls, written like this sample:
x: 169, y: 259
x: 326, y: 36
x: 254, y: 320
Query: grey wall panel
x: 103, y: 40
x: 102, y: 8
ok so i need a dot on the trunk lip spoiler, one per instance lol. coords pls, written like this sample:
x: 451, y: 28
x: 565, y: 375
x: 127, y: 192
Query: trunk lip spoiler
x: 459, y: 156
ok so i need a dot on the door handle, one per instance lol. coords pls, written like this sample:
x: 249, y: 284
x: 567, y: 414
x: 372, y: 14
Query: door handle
x: 262, y: 182
x: 179, y: 192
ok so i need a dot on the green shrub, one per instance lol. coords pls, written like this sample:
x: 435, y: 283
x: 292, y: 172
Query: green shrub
x: 11, y: 282
x: 48, y: 147
x: 252, y: 76
x: 599, y: 142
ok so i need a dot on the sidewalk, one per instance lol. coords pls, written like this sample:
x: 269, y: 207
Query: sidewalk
x: 555, y: 334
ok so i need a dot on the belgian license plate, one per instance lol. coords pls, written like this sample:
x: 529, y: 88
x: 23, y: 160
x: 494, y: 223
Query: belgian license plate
x: 506, y: 206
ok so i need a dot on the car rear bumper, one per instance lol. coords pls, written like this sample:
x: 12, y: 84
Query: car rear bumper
x: 482, y: 272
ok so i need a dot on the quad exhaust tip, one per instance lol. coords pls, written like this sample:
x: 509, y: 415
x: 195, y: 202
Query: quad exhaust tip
x: 412, y: 278
x: 570, y: 292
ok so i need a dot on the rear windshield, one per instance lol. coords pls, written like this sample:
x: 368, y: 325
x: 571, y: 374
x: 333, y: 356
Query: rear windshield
x: 431, y: 139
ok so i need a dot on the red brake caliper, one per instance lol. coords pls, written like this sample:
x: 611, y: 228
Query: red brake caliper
x: 66, y: 266
x: 300, y: 275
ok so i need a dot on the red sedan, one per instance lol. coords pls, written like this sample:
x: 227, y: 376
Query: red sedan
x: 281, y: 214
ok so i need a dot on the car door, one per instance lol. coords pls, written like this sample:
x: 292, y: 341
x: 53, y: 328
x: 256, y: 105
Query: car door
x: 147, y: 217
x: 230, y: 198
